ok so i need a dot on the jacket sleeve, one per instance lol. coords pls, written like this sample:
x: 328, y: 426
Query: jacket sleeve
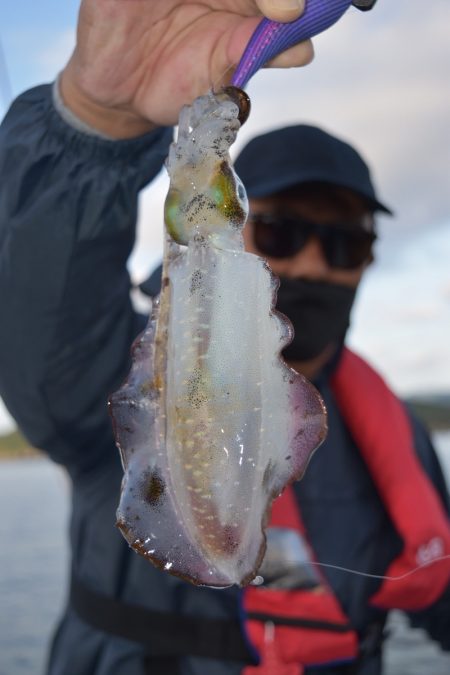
x: 68, y: 204
x: 429, y: 459
x: 436, y: 618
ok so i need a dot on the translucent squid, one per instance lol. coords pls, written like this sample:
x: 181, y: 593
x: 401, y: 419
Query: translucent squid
x: 211, y: 423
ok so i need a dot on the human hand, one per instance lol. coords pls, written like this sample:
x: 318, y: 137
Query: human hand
x: 137, y: 62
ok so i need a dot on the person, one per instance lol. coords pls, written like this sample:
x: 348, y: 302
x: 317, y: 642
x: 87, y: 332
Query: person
x: 73, y: 159
x: 312, y: 216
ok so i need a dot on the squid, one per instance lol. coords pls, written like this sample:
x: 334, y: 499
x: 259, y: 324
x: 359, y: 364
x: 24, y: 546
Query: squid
x: 211, y: 423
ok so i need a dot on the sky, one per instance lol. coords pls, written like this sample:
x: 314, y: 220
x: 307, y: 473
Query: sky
x: 380, y: 80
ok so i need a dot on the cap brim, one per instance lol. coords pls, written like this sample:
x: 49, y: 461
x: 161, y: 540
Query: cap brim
x: 274, y: 184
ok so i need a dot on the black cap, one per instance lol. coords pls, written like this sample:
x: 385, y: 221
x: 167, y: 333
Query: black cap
x: 290, y: 156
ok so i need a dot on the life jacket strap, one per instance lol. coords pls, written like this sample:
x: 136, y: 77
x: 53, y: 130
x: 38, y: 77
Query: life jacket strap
x: 162, y: 633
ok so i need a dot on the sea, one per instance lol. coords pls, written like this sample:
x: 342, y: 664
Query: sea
x: 34, y: 498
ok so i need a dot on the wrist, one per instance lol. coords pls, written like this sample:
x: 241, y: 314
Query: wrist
x: 109, y: 121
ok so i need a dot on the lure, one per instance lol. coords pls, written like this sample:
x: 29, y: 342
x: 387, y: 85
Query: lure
x: 211, y: 423
x: 273, y: 37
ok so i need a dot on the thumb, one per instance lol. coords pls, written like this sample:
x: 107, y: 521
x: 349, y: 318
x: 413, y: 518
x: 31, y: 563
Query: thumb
x: 281, y: 10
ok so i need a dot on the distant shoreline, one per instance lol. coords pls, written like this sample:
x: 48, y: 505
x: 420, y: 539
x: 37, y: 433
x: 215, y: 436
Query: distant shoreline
x: 436, y: 417
x: 8, y: 455
x: 15, y: 446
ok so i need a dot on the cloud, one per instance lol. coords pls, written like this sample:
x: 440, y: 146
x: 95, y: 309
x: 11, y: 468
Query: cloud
x: 445, y: 290
x: 401, y: 320
x: 148, y: 251
x: 6, y: 421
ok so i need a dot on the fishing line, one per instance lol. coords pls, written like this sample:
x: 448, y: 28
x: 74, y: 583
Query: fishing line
x: 221, y: 77
x: 381, y: 576
x: 260, y: 580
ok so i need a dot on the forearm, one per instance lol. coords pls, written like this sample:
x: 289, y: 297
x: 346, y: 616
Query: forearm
x: 67, y: 221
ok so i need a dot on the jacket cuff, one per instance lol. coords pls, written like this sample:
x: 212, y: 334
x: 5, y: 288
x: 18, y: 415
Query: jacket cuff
x: 70, y: 118
x: 34, y: 119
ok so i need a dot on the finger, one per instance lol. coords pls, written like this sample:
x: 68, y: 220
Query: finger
x: 281, y: 10
x: 298, y: 55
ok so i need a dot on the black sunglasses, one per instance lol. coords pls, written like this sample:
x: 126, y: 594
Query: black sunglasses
x: 282, y: 236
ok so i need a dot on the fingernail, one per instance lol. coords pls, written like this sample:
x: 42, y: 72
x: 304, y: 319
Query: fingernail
x: 288, y: 4
x: 281, y: 10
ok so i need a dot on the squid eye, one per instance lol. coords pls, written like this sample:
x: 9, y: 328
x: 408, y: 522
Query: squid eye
x: 172, y: 217
x: 223, y: 192
x: 226, y: 192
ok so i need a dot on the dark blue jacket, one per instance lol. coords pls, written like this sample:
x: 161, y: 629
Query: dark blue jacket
x: 67, y: 226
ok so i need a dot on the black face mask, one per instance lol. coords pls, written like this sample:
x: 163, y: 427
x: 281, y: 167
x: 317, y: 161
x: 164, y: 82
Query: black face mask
x: 319, y: 312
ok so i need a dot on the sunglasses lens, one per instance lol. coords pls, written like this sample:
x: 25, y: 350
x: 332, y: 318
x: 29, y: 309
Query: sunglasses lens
x: 346, y: 249
x: 278, y: 237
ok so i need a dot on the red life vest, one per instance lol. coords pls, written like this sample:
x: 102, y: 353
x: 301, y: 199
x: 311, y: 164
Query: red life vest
x: 380, y: 427
x: 381, y: 430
